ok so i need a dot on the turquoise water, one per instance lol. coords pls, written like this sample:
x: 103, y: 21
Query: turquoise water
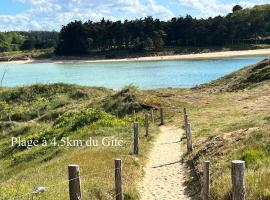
x: 156, y: 74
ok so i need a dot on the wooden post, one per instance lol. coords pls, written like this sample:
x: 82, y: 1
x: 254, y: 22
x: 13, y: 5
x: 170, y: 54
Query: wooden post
x: 118, y: 180
x: 146, y: 124
x: 161, y: 116
x: 189, y: 138
x: 136, y: 138
x: 185, y: 122
x: 74, y: 182
x: 153, y: 116
x: 185, y: 117
x: 206, y: 181
x: 238, y: 181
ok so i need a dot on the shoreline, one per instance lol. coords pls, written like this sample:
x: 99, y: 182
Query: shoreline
x: 199, y: 56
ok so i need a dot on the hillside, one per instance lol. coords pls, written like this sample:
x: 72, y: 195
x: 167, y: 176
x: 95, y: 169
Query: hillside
x: 225, y: 126
x: 59, y: 113
x: 246, y: 78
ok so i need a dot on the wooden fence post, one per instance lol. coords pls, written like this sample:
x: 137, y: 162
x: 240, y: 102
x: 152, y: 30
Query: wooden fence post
x: 238, y: 180
x: 186, y: 123
x: 74, y: 182
x: 189, y: 138
x: 136, y: 138
x: 161, y: 116
x: 146, y: 124
x: 185, y: 116
x: 206, y: 180
x: 153, y: 116
x: 118, y: 180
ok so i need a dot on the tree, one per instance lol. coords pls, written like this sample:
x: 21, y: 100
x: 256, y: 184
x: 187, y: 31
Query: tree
x: 158, y: 39
x: 73, y: 39
x: 148, y: 43
x: 28, y: 45
x: 237, y: 8
x: 39, y: 104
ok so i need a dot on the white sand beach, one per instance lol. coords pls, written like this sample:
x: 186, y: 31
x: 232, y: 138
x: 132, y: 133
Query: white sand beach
x: 211, y: 55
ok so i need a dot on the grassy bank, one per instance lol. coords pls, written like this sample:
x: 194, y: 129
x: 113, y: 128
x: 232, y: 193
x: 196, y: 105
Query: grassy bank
x: 25, y: 55
x: 48, y: 112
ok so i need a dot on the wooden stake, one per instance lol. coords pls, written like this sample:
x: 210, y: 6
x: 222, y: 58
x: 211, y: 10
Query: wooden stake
x: 153, y: 116
x: 136, y: 138
x: 146, y: 124
x: 206, y: 181
x: 189, y: 138
x: 161, y: 116
x: 118, y: 180
x: 74, y: 182
x: 238, y: 181
x: 186, y: 124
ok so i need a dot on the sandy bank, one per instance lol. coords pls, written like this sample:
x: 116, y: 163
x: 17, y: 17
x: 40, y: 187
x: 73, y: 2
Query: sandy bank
x: 212, y: 55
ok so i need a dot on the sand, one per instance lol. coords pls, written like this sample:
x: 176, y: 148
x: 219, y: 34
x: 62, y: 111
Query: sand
x: 212, y: 55
x: 164, y: 174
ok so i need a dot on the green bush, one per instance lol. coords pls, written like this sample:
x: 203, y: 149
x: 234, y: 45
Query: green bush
x: 72, y: 120
x: 123, y: 102
x: 252, y: 156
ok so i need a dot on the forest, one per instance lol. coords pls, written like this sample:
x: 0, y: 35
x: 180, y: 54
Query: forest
x: 23, y: 40
x: 250, y: 25
x: 241, y: 26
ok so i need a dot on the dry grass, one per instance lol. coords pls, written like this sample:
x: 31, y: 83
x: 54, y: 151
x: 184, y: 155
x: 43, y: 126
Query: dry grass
x: 226, y: 126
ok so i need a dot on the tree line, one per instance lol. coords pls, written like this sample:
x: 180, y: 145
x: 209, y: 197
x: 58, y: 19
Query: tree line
x: 22, y: 40
x: 251, y: 25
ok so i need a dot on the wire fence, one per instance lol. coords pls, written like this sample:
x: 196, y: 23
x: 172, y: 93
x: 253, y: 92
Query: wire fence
x: 204, y: 181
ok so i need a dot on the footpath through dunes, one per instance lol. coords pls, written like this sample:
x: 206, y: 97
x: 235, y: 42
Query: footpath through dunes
x: 164, y: 173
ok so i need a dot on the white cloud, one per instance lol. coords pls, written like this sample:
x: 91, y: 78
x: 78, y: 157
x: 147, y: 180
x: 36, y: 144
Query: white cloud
x: 51, y: 14
x: 208, y: 8
x: 211, y: 8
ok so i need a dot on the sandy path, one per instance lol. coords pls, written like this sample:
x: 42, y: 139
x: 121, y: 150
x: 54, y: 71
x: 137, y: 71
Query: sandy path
x: 164, y: 173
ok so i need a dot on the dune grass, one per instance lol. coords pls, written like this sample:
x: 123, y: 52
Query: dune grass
x: 48, y: 112
x: 226, y: 126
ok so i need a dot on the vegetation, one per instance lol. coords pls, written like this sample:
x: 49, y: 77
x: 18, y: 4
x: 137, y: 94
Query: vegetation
x: 242, y: 26
x: 58, y: 112
x: 242, y: 29
x: 226, y: 126
x: 15, y: 40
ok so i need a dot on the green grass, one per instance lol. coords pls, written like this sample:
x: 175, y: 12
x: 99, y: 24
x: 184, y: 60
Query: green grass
x: 24, y: 55
x: 77, y: 113
x: 226, y: 126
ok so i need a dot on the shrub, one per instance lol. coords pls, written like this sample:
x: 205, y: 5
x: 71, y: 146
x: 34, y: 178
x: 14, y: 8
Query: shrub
x: 123, y: 102
x: 72, y: 120
x: 252, y: 156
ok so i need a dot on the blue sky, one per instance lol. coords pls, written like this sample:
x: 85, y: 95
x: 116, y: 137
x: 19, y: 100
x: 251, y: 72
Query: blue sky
x: 52, y: 14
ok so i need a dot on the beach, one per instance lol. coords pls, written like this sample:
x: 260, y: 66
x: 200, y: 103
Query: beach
x: 198, y: 56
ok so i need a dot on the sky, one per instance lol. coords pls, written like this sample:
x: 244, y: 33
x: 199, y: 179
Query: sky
x: 52, y: 14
